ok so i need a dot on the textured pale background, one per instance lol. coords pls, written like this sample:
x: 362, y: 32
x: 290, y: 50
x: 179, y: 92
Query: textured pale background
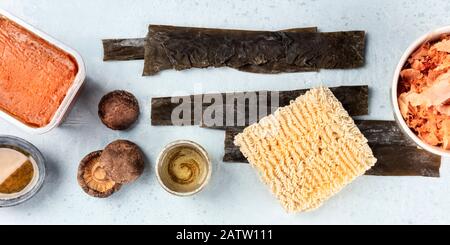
x: 235, y: 194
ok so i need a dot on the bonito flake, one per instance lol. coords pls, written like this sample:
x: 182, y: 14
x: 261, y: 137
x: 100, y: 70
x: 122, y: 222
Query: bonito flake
x: 308, y: 151
x: 424, y: 92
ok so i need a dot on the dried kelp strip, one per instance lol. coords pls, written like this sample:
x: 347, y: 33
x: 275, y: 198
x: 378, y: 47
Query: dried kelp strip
x: 396, y: 154
x: 399, y: 160
x: 383, y: 133
x: 180, y: 48
x: 354, y: 99
x: 123, y: 49
x: 278, y: 66
x: 134, y: 49
x: 232, y: 152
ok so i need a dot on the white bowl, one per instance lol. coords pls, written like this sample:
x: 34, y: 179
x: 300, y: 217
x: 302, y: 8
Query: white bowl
x: 72, y: 93
x: 431, y: 36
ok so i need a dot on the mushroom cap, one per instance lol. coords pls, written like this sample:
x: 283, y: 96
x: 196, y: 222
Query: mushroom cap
x: 118, y: 110
x: 93, y: 179
x: 123, y: 160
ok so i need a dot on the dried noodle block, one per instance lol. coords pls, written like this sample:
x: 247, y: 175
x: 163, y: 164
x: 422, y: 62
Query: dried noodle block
x: 308, y: 151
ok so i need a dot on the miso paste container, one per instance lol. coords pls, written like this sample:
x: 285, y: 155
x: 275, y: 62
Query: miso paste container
x: 71, y: 93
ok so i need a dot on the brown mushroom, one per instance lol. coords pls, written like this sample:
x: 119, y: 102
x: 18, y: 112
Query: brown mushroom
x: 123, y: 161
x: 93, y: 178
x: 118, y: 110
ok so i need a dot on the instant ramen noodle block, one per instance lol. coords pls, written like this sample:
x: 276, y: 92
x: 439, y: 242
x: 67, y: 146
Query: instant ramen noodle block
x: 308, y: 151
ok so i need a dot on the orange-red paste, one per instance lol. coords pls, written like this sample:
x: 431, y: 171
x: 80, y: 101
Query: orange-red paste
x: 34, y: 75
x: 424, y: 92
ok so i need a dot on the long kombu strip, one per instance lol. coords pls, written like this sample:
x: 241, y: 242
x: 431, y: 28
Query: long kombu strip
x: 353, y: 98
x: 180, y: 48
x: 134, y: 48
x: 396, y: 154
x: 123, y: 49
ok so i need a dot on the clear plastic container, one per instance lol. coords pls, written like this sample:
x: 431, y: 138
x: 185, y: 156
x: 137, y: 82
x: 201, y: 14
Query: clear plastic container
x: 72, y: 93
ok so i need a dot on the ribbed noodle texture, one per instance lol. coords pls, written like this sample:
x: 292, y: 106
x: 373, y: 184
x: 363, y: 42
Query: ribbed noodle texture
x: 308, y: 151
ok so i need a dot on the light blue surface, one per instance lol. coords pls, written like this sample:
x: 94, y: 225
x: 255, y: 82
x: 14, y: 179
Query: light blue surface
x: 235, y: 194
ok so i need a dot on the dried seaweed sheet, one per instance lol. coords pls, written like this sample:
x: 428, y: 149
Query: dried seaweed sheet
x: 180, y: 48
x: 354, y: 99
x: 123, y: 49
x: 277, y: 66
x: 386, y: 141
x: 134, y: 48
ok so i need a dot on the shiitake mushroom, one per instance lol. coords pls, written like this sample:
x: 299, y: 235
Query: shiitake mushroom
x: 123, y: 160
x: 118, y: 110
x: 94, y: 179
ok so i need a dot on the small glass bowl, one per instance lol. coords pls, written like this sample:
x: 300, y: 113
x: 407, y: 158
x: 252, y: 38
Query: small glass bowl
x: 164, y: 160
x: 39, y: 166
